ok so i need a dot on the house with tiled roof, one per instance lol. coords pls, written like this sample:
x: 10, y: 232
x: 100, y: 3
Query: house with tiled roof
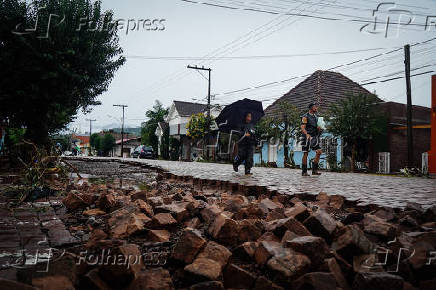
x: 324, y: 88
x: 327, y: 88
x: 81, y: 141
x: 179, y: 114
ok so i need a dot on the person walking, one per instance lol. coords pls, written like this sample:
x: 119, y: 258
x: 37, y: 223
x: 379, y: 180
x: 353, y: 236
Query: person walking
x: 246, y: 145
x: 311, y: 141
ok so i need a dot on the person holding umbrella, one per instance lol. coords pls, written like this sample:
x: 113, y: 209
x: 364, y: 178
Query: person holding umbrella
x: 311, y: 132
x: 240, y: 117
x: 246, y: 145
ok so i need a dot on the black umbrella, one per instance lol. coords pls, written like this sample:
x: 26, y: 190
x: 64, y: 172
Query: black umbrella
x: 232, y: 116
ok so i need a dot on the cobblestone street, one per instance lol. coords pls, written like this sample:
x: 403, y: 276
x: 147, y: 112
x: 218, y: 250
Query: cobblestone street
x: 142, y: 208
x: 366, y: 188
x: 29, y: 233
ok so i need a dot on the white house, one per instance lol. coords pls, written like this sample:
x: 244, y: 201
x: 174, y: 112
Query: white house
x: 129, y: 146
x: 178, y: 118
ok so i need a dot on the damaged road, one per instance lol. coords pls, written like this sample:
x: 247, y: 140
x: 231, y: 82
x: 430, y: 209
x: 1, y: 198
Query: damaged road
x: 132, y: 227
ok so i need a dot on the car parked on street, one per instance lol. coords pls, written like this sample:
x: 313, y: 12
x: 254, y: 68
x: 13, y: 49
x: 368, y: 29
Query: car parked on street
x: 143, y: 152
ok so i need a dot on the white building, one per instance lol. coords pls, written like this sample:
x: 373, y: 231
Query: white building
x: 178, y: 118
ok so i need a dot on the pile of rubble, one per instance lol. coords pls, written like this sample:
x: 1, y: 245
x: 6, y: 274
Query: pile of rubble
x: 178, y: 236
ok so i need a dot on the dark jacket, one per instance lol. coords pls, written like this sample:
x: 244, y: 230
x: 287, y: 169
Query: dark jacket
x: 244, y: 140
x: 311, y: 122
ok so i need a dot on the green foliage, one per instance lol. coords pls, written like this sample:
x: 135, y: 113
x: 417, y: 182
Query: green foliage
x: 63, y: 140
x: 282, y: 126
x: 264, y: 128
x: 107, y: 143
x: 95, y: 141
x: 37, y: 166
x: 174, y: 148
x: 355, y: 119
x: 285, y: 123
x: 14, y: 136
x: 48, y: 75
x: 198, y: 126
x: 154, y: 116
x: 165, y: 142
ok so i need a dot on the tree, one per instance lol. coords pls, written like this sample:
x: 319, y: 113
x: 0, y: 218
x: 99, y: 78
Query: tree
x: 49, y: 74
x: 64, y: 141
x: 175, y: 148
x: 355, y: 119
x: 198, y: 126
x: 282, y: 126
x: 107, y: 143
x: 154, y: 116
x: 264, y: 131
x: 165, y: 143
x: 95, y: 141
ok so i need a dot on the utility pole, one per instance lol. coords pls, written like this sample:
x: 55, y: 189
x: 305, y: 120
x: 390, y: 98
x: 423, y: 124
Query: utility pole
x: 90, y: 125
x: 409, y: 108
x: 208, y: 96
x: 122, y: 129
x: 90, y: 132
x: 208, y: 93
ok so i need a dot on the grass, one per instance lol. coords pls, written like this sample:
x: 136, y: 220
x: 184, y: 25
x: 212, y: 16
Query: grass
x: 143, y: 186
x: 99, y: 180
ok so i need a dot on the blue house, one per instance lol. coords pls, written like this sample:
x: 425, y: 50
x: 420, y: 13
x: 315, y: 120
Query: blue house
x: 324, y: 88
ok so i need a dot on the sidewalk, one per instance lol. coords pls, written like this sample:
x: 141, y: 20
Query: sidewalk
x: 366, y: 188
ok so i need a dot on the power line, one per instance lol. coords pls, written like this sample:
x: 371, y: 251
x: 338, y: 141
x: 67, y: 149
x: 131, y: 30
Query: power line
x: 365, y: 21
x: 178, y: 76
x: 397, y: 78
x: 185, y: 58
x: 278, y: 96
x: 349, y: 66
x: 328, y: 5
x: 222, y: 49
x: 245, y: 42
x: 332, y: 68
x: 232, y: 46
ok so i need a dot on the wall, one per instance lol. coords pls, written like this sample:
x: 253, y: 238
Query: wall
x: 129, y: 145
x: 396, y: 139
x: 174, y: 125
x: 398, y: 147
x: 298, y: 154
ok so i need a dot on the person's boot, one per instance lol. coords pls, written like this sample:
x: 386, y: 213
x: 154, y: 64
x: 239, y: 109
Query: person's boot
x: 315, y: 169
x: 247, y: 172
x: 304, y: 172
x: 235, y: 164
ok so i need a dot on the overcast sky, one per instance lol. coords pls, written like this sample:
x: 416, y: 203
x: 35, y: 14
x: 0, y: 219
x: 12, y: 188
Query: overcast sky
x: 234, y: 36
